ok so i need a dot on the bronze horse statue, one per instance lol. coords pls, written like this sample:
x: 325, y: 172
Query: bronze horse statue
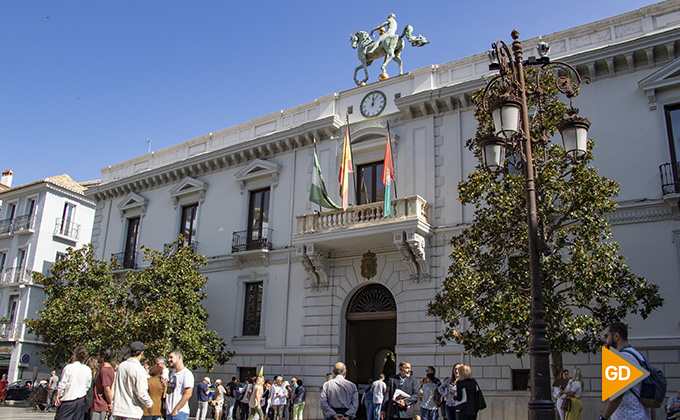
x: 390, y: 47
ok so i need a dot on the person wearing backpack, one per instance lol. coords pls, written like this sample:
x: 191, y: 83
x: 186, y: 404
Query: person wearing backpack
x: 626, y: 406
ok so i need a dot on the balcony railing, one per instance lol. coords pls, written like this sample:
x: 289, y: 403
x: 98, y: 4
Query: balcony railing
x: 172, y: 247
x: 14, y: 275
x: 126, y: 260
x: 10, y: 331
x: 246, y: 240
x: 670, y: 174
x: 67, y: 228
x: 24, y: 222
x: 414, y: 207
x: 6, y: 226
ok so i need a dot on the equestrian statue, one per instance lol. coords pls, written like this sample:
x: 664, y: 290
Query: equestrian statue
x: 388, y: 45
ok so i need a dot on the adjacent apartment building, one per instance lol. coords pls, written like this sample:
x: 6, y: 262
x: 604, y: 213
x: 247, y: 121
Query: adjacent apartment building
x: 38, y: 222
x: 293, y: 289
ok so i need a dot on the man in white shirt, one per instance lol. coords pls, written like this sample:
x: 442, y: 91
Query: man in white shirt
x: 279, y: 395
x: 131, y: 391
x: 76, y: 380
x: 180, y: 387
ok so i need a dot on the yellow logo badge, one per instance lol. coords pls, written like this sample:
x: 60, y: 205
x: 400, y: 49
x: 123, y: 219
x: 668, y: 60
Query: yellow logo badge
x: 618, y: 375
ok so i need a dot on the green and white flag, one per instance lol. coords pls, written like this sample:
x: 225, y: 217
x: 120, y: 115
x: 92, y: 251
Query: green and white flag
x: 318, y: 193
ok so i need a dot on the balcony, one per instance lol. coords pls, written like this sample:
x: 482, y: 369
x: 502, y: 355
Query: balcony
x: 6, y: 226
x: 670, y: 178
x: 343, y: 228
x: 10, y: 331
x: 14, y: 275
x: 24, y: 224
x: 125, y: 260
x: 67, y: 229
x: 172, y: 247
x: 256, y: 240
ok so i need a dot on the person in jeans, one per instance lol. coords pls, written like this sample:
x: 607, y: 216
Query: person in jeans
x: 202, y: 398
x: 428, y: 408
x: 299, y: 399
x: 102, y: 397
x: 180, y: 387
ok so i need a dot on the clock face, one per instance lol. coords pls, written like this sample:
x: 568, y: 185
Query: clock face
x: 373, y: 104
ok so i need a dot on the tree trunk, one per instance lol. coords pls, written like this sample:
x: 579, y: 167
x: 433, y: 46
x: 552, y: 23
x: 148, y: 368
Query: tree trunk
x: 557, y: 364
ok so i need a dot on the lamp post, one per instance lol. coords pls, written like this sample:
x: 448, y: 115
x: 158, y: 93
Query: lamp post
x: 505, y: 97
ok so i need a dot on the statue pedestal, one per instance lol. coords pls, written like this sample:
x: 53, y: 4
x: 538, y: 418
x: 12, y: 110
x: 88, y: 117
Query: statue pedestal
x: 384, y: 76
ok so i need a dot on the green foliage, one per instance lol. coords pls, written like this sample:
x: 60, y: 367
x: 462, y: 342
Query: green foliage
x: 586, y: 284
x: 159, y: 305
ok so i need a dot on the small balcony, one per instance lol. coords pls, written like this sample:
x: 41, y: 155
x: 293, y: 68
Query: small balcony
x: 67, y: 229
x: 670, y: 178
x: 6, y: 226
x: 10, y: 331
x: 24, y: 224
x: 172, y: 247
x: 14, y: 275
x: 125, y: 260
x: 246, y: 240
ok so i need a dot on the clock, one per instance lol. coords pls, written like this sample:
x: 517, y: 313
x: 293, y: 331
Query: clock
x: 373, y: 104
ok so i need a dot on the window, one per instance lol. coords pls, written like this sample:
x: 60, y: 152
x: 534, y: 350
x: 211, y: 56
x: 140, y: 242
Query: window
x: 11, y: 208
x: 30, y: 208
x: 246, y: 373
x: 370, y: 187
x: 66, y: 224
x: 6, y: 223
x: 252, y: 309
x: 187, y: 226
x: 3, y: 260
x: 61, y: 256
x: 130, y: 256
x: 13, y: 308
x: 21, y: 260
x: 520, y: 379
x: 672, y: 179
x: 258, y: 218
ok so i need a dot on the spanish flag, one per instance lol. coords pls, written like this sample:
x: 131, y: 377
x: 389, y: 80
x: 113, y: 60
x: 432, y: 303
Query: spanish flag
x: 345, y: 169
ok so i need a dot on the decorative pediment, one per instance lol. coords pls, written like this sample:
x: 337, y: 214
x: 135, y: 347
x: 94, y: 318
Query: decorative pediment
x: 667, y: 76
x: 133, y: 204
x: 189, y: 189
x: 368, y: 144
x: 259, y: 172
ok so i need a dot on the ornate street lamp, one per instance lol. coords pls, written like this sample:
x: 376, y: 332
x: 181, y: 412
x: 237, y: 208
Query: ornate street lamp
x: 505, y: 98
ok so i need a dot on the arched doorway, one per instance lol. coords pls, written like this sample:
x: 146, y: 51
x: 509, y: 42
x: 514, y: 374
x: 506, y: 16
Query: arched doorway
x: 371, y: 319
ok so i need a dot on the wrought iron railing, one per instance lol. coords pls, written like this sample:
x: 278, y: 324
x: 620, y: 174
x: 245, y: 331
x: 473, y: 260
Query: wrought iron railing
x: 126, y: 260
x: 24, y: 222
x: 172, y: 247
x: 6, y: 226
x: 67, y: 228
x: 670, y: 177
x: 245, y: 240
x: 14, y: 275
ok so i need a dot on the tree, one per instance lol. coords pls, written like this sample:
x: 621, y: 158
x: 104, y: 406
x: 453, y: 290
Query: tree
x: 586, y: 282
x: 159, y: 305
x: 84, y: 305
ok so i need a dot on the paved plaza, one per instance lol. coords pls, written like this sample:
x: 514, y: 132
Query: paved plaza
x: 21, y: 411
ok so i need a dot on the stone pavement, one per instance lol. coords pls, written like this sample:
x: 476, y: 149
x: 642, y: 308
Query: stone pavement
x: 20, y: 411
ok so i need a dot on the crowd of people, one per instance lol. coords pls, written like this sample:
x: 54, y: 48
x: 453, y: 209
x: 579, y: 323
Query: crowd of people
x: 100, y: 388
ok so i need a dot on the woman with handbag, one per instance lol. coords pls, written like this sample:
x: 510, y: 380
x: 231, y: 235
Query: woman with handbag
x: 558, y: 391
x: 573, y: 391
x: 466, y: 391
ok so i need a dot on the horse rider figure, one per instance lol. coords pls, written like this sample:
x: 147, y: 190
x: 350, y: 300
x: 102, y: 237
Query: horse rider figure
x: 390, y: 26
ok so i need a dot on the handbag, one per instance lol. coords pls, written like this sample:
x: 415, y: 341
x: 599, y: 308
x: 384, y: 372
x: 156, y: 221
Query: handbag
x: 479, y: 399
x: 566, y: 405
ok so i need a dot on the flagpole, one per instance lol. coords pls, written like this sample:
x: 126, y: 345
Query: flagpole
x: 389, y: 136
x: 349, y: 140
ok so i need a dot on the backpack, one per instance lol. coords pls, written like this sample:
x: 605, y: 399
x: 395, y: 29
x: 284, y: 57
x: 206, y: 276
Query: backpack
x: 653, y: 387
x: 437, y: 397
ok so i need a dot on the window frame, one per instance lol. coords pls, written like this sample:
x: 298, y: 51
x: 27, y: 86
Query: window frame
x: 247, y: 308
x: 376, y: 168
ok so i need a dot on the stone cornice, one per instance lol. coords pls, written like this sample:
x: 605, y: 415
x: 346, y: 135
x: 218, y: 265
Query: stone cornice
x: 233, y: 156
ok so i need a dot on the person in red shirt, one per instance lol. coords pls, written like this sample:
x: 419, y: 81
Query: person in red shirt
x: 103, y: 386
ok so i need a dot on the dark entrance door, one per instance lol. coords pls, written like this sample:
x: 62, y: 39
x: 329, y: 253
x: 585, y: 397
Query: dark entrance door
x: 371, y: 334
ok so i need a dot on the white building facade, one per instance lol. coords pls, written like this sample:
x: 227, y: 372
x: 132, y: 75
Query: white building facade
x: 38, y: 222
x: 294, y: 290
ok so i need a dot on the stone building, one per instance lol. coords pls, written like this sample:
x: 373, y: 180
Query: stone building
x: 294, y: 289
x: 38, y: 222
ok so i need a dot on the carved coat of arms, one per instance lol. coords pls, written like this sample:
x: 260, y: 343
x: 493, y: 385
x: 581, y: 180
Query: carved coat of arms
x: 369, y: 265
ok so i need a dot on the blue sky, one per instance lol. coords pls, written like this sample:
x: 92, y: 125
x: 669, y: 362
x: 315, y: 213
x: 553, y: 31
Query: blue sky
x: 85, y: 82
